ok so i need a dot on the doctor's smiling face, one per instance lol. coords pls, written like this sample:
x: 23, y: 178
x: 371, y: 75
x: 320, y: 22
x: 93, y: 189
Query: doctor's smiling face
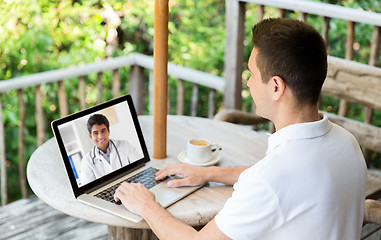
x: 100, y: 136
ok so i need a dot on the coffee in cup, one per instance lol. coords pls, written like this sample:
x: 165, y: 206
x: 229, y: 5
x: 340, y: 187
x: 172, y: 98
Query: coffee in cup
x: 201, y: 150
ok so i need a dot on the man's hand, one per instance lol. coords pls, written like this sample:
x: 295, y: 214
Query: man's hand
x: 192, y: 175
x: 135, y: 197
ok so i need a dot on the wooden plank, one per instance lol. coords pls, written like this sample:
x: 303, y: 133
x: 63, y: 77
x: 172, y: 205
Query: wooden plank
x: 3, y: 163
x: 99, y: 87
x: 62, y: 99
x: 324, y: 9
x: 344, y: 105
x: 116, y: 233
x: 235, y: 19
x: 82, y: 92
x: 260, y: 12
x: 180, y: 97
x: 354, y: 82
x: 375, y: 47
x: 325, y: 29
x: 39, y: 117
x: 22, y: 172
x: 115, y: 83
x: 281, y: 13
x: 150, y: 92
x: 160, y: 79
x: 211, y: 103
x: 136, y: 86
x: 187, y: 74
x: 33, y: 219
x: 194, y: 100
x: 302, y: 16
x: 371, y: 232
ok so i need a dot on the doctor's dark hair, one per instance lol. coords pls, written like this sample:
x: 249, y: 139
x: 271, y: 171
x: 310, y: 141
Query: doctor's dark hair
x: 97, y: 119
x: 294, y: 51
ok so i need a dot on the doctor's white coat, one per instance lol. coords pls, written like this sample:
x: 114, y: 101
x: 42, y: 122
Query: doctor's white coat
x: 94, y: 165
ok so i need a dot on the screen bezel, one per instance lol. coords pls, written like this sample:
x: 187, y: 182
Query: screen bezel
x: 117, y: 173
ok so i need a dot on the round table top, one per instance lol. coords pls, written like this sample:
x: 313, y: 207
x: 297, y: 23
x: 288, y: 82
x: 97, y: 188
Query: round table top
x: 240, y: 146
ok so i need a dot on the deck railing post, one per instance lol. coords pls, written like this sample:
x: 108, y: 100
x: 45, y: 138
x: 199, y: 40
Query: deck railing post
x: 136, y: 86
x: 62, y: 99
x: 22, y: 172
x: 3, y: 164
x: 39, y: 117
x: 235, y: 18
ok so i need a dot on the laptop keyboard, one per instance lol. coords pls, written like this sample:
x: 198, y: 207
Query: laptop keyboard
x: 146, y: 177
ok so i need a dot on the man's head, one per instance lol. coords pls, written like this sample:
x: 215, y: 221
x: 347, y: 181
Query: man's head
x: 293, y: 51
x: 99, y: 131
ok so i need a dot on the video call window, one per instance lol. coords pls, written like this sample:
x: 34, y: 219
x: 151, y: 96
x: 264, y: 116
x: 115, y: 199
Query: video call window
x: 102, y: 151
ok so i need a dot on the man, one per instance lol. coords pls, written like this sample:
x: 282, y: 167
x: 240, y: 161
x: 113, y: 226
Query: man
x: 107, y: 155
x: 311, y: 183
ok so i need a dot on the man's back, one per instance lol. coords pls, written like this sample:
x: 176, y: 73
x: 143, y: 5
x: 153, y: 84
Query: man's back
x: 310, y: 185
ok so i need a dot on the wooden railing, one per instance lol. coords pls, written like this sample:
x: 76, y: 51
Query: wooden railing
x: 235, y: 20
x: 137, y: 62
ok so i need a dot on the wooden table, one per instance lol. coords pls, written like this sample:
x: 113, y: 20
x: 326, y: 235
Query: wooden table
x: 240, y: 146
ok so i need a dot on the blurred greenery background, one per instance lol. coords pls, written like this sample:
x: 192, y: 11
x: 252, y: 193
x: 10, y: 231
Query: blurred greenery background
x: 41, y: 35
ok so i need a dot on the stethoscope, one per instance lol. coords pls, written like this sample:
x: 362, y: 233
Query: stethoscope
x: 117, y: 152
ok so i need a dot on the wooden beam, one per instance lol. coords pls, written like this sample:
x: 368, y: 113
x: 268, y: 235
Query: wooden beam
x: 3, y: 163
x: 22, y: 172
x: 82, y: 92
x: 160, y: 79
x: 115, y: 83
x: 39, y: 117
x: 235, y: 19
x: 99, y: 87
x: 62, y: 99
x: 136, y: 86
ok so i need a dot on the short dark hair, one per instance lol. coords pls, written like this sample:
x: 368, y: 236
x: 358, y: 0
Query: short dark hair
x: 294, y: 51
x: 97, y: 119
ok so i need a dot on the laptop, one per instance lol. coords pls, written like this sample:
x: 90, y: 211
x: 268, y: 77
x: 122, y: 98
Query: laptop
x: 94, y: 171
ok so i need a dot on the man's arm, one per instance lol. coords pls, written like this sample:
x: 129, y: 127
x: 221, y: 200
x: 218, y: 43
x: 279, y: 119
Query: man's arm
x: 193, y: 176
x: 161, y: 222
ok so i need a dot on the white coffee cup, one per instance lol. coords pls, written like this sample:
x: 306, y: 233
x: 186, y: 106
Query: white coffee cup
x: 201, y: 150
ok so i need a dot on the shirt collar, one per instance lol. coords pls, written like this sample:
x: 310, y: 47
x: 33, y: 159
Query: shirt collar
x: 299, y: 131
x: 100, y: 152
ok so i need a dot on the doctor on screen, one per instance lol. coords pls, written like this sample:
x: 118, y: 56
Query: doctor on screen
x: 107, y: 155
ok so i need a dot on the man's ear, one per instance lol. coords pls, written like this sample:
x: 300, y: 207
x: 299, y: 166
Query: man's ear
x: 90, y: 136
x: 278, y: 87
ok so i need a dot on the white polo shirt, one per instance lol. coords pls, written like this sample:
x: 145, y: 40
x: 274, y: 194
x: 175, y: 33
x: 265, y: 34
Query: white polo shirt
x: 310, y: 185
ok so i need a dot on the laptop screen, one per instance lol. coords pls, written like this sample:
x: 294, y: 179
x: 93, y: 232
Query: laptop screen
x: 98, y: 142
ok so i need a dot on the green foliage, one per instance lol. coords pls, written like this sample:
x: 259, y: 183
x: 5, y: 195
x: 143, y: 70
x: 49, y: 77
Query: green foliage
x: 37, y: 36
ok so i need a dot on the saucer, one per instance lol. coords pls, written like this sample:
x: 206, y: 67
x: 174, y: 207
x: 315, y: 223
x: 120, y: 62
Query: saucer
x: 182, y: 157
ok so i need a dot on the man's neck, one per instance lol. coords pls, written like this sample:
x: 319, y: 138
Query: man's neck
x: 300, y: 114
x: 104, y: 150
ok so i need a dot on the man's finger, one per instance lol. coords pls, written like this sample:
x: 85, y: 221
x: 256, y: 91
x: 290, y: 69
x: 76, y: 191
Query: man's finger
x: 178, y: 183
x: 170, y: 170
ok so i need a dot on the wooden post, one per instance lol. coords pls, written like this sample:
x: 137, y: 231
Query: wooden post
x: 194, y: 101
x: 39, y: 117
x: 99, y: 87
x: 180, y: 97
x: 160, y: 79
x: 115, y: 83
x: 3, y: 164
x: 344, y: 105
x: 211, y: 104
x: 137, y: 87
x: 22, y: 172
x: 64, y: 111
x: 325, y: 30
x: 235, y: 18
x: 82, y: 92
